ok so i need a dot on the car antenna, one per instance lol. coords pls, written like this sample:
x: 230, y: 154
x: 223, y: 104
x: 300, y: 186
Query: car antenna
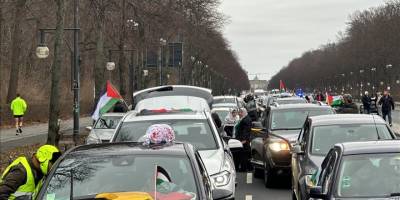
x: 377, y: 132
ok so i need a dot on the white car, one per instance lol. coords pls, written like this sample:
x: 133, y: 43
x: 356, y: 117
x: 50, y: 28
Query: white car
x: 103, y: 129
x: 196, y: 128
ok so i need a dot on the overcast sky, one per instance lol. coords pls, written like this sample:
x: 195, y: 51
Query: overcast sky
x: 267, y: 34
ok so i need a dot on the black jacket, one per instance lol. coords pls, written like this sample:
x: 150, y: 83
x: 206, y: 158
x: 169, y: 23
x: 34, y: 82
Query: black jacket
x: 387, y: 103
x: 15, y: 178
x: 244, y: 131
x: 348, y: 108
x: 366, y: 100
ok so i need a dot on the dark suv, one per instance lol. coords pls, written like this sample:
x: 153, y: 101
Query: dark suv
x: 321, y: 133
x: 271, y: 151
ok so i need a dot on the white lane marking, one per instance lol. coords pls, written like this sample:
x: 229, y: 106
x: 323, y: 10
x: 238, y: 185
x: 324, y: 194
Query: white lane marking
x: 249, y: 178
x: 249, y: 197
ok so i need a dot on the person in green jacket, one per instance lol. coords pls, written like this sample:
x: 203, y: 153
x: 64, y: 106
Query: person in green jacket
x: 18, y: 108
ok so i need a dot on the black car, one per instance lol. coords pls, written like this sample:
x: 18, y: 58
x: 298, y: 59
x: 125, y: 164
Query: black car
x: 128, y: 170
x: 321, y: 133
x: 360, y: 170
x: 271, y: 151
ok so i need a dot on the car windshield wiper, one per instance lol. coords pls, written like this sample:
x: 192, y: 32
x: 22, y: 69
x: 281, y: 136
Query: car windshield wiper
x: 396, y: 194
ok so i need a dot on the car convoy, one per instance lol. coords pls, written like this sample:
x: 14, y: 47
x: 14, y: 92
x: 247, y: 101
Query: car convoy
x: 325, y: 155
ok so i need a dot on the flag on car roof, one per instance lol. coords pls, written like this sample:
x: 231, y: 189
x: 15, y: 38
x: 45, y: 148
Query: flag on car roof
x: 107, y: 101
x: 281, y: 86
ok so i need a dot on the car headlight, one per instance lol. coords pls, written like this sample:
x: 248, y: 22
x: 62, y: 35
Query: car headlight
x: 279, y: 146
x: 221, y: 179
x: 93, y: 139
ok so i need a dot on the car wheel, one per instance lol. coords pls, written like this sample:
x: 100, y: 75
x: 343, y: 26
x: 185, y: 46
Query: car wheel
x: 268, y: 177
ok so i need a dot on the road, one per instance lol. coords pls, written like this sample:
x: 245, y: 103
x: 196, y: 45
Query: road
x: 250, y: 188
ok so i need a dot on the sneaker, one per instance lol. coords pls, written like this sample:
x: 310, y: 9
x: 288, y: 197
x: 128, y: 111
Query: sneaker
x: 17, y: 132
x: 20, y: 130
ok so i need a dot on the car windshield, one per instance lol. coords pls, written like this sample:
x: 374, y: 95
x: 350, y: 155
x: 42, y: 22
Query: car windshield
x: 222, y: 114
x: 290, y: 101
x: 224, y: 100
x: 325, y: 137
x: 294, y: 119
x: 92, y: 175
x: 369, y: 175
x: 196, y: 132
x: 173, y: 102
x: 107, y: 122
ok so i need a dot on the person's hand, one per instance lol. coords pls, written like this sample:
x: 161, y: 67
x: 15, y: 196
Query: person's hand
x: 244, y: 142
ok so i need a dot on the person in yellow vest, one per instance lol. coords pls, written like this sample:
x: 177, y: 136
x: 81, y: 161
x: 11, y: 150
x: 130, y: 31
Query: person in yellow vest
x: 22, y: 179
x: 18, y: 108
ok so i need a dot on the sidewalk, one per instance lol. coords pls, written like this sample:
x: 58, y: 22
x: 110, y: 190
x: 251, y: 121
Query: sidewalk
x: 33, y: 134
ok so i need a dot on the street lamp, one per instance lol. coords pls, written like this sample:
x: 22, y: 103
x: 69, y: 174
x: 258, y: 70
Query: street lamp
x: 110, y: 66
x: 163, y: 42
x: 42, y: 51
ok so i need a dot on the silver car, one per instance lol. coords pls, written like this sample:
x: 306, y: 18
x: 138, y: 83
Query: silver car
x: 103, y: 128
x: 193, y: 127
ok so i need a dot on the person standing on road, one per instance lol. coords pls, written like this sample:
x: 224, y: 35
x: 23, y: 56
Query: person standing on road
x: 243, y: 134
x: 387, y: 106
x: 366, y: 101
x: 22, y: 179
x: 18, y: 108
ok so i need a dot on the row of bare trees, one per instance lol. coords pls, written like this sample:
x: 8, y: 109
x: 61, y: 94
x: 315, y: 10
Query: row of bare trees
x: 366, y: 57
x: 109, y: 30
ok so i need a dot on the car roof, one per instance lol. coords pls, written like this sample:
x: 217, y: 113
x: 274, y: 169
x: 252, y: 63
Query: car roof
x: 113, y: 114
x: 221, y: 109
x: 370, y: 147
x: 298, y: 106
x: 133, y: 117
x: 323, y: 120
x: 129, y: 148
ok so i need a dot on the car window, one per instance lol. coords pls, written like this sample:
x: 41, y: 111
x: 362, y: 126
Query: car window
x: 173, y: 102
x: 325, y: 137
x: 369, y: 175
x: 91, y: 175
x: 222, y: 113
x: 107, y: 122
x: 224, y: 100
x: 294, y: 119
x: 291, y: 101
x: 196, y: 132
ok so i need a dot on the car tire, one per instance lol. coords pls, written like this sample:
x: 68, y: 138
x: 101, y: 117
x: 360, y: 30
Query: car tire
x: 268, y: 177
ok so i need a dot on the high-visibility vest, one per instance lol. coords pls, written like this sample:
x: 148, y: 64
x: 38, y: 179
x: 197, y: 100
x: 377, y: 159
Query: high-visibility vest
x: 27, y: 190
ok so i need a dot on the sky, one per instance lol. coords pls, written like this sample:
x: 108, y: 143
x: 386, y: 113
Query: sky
x: 268, y: 34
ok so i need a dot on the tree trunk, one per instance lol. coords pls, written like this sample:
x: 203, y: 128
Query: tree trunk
x: 121, y: 62
x: 99, y: 67
x: 54, y: 111
x: 15, y: 50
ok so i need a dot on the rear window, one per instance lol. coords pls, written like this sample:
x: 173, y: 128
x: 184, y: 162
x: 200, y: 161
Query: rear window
x: 325, y: 137
x: 224, y: 100
x: 196, y: 132
x: 107, y: 122
x: 294, y: 119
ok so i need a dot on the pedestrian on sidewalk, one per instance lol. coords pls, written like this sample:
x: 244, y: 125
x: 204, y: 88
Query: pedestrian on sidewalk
x: 23, y: 178
x: 18, y: 108
x: 366, y: 101
x: 387, y: 106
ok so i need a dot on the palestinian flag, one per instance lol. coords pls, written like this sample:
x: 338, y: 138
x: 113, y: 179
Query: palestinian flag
x: 281, y: 86
x: 333, y: 100
x: 107, y: 101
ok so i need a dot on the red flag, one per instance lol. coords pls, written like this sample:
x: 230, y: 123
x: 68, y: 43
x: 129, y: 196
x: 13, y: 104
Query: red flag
x: 281, y: 85
x: 112, y: 92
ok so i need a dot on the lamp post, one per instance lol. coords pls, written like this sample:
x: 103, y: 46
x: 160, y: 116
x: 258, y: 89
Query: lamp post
x: 163, y: 42
x: 42, y: 52
x: 373, y: 73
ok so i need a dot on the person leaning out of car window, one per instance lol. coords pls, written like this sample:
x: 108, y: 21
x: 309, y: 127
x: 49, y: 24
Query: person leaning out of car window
x: 23, y: 177
x: 243, y: 134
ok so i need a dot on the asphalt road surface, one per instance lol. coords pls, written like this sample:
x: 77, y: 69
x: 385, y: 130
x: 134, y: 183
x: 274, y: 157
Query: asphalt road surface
x: 250, y: 188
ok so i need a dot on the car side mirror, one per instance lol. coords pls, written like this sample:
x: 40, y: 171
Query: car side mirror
x: 297, y: 149
x: 316, y: 193
x: 220, y: 193
x: 89, y: 128
x: 235, y: 144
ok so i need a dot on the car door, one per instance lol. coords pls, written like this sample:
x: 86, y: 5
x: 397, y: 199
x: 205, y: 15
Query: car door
x: 327, y: 176
x: 298, y: 160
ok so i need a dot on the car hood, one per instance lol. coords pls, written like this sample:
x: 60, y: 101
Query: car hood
x: 212, y: 160
x: 103, y: 134
x: 290, y: 135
